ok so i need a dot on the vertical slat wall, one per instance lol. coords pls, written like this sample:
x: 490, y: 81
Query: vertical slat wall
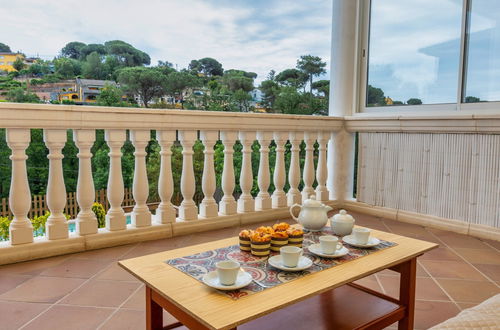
x: 455, y: 176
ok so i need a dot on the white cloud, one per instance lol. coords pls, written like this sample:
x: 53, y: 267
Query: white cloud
x: 239, y: 35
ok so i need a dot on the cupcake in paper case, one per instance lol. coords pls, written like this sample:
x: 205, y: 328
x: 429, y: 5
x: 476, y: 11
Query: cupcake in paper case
x: 260, y: 244
x: 244, y: 237
x: 295, y: 236
x: 278, y: 240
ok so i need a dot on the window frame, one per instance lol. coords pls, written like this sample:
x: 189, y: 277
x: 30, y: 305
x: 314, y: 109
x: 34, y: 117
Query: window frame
x: 364, y: 7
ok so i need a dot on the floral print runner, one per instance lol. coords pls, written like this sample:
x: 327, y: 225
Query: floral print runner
x: 265, y: 276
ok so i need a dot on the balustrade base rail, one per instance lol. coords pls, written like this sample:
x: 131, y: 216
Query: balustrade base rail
x: 42, y: 247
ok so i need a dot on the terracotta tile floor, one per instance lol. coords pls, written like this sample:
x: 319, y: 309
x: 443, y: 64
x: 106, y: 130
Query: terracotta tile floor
x: 89, y: 291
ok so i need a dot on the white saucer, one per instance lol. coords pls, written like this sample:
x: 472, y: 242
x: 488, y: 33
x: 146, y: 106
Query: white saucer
x: 316, y: 249
x: 372, y: 241
x: 277, y: 262
x: 212, y: 279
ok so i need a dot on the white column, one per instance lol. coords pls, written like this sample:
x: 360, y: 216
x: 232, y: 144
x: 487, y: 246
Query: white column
x: 342, y: 96
x: 57, y: 225
x: 293, y: 195
x: 279, y: 196
x: 115, y: 218
x: 165, y: 213
x: 86, y: 221
x: 20, y: 230
x: 308, y: 173
x: 208, y: 206
x: 246, y: 202
x: 187, y: 209
x: 263, y: 200
x: 141, y: 216
x: 322, y: 193
x: 227, y: 205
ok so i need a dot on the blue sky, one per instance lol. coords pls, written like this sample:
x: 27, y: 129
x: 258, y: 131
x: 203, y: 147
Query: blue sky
x: 250, y: 35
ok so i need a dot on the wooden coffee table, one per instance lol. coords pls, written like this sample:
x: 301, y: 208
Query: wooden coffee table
x: 343, y: 306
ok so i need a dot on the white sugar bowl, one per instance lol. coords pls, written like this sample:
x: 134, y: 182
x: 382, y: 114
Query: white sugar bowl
x: 342, y: 223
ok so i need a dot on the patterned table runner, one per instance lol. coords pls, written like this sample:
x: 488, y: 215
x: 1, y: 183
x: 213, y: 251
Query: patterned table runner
x: 265, y: 275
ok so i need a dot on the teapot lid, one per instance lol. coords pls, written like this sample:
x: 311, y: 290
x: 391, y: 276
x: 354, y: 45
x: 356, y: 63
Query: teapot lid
x: 342, y: 216
x: 312, y: 202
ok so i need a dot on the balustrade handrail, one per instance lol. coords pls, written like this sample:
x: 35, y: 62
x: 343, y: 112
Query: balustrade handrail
x: 25, y: 115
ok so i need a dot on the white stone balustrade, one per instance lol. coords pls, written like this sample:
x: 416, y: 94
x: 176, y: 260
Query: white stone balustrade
x: 141, y: 216
x: 308, y: 173
x: 56, y: 226
x: 208, y: 206
x: 20, y: 230
x: 322, y: 193
x: 115, y: 218
x: 86, y: 222
x: 165, y: 213
x: 246, y: 202
x: 263, y: 200
x: 279, y: 195
x: 227, y: 205
x: 293, y: 195
x: 187, y: 210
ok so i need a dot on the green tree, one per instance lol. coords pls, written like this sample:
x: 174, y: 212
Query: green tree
x: 177, y: 82
x: 414, y: 101
x: 236, y: 82
x: 73, y: 49
x: 472, y: 99
x: 292, y: 78
x: 110, y: 96
x: 270, y: 89
x: 290, y: 101
x: 208, y: 66
x: 375, y: 96
x: 311, y: 66
x: 4, y: 48
x: 145, y: 82
x: 67, y: 68
x: 20, y: 95
x: 39, y: 68
x: 18, y: 64
x: 322, y: 86
x: 242, y: 100
x: 127, y: 54
x: 92, y: 48
x: 94, y: 68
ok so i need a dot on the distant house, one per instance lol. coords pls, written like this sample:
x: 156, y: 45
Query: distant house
x: 7, y: 61
x: 84, y: 91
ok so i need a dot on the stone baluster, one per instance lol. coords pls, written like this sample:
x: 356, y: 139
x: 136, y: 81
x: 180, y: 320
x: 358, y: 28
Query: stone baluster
x: 141, y: 216
x: 308, y: 174
x: 20, y: 230
x: 187, y: 210
x: 86, y: 221
x: 246, y: 202
x: 165, y: 213
x: 115, y: 218
x: 322, y: 193
x: 227, y: 205
x: 263, y: 200
x: 57, y: 225
x: 293, y: 195
x: 208, y: 206
x: 279, y: 196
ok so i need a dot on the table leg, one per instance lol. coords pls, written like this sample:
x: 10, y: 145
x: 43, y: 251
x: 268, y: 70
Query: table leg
x: 154, y: 312
x: 408, y: 271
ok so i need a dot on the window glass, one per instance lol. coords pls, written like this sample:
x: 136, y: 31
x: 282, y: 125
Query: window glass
x: 414, y: 52
x: 482, y: 73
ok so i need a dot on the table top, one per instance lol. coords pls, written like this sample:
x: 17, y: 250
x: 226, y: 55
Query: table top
x: 218, y: 311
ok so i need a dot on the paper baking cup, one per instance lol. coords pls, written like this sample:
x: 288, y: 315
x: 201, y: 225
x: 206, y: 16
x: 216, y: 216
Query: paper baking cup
x: 245, y: 244
x: 295, y: 240
x: 260, y: 248
x: 278, y: 243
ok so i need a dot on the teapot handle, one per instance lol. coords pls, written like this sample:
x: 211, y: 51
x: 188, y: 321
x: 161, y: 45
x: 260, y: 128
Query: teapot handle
x: 291, y: 209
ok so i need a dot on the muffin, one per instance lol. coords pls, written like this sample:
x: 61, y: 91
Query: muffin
x: 260, y: 244
x: 245, y: 240
x: 295, y: 236
x: 278, y: 240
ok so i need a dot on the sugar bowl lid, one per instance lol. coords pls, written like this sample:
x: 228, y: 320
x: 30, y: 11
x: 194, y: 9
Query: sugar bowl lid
x: 342, y: 216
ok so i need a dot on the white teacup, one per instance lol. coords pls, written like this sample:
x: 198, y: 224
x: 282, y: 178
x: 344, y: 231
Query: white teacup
x: 227, y: 271
x: 329, y: 244
x: 361, y: 235
x: 290, y: 255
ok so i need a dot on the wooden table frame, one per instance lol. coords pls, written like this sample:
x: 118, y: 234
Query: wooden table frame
x: 155, y: 304
x: 181, y: 295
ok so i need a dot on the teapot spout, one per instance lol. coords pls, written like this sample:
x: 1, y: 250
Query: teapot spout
x: 328, y: 208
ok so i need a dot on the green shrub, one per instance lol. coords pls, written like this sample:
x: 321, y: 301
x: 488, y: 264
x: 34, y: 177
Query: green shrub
x: 4, y: 228
x: 100, y: 214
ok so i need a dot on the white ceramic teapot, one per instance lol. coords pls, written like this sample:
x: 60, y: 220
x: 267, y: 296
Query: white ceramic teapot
x: 313, y: 214
x: 342, y: 223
